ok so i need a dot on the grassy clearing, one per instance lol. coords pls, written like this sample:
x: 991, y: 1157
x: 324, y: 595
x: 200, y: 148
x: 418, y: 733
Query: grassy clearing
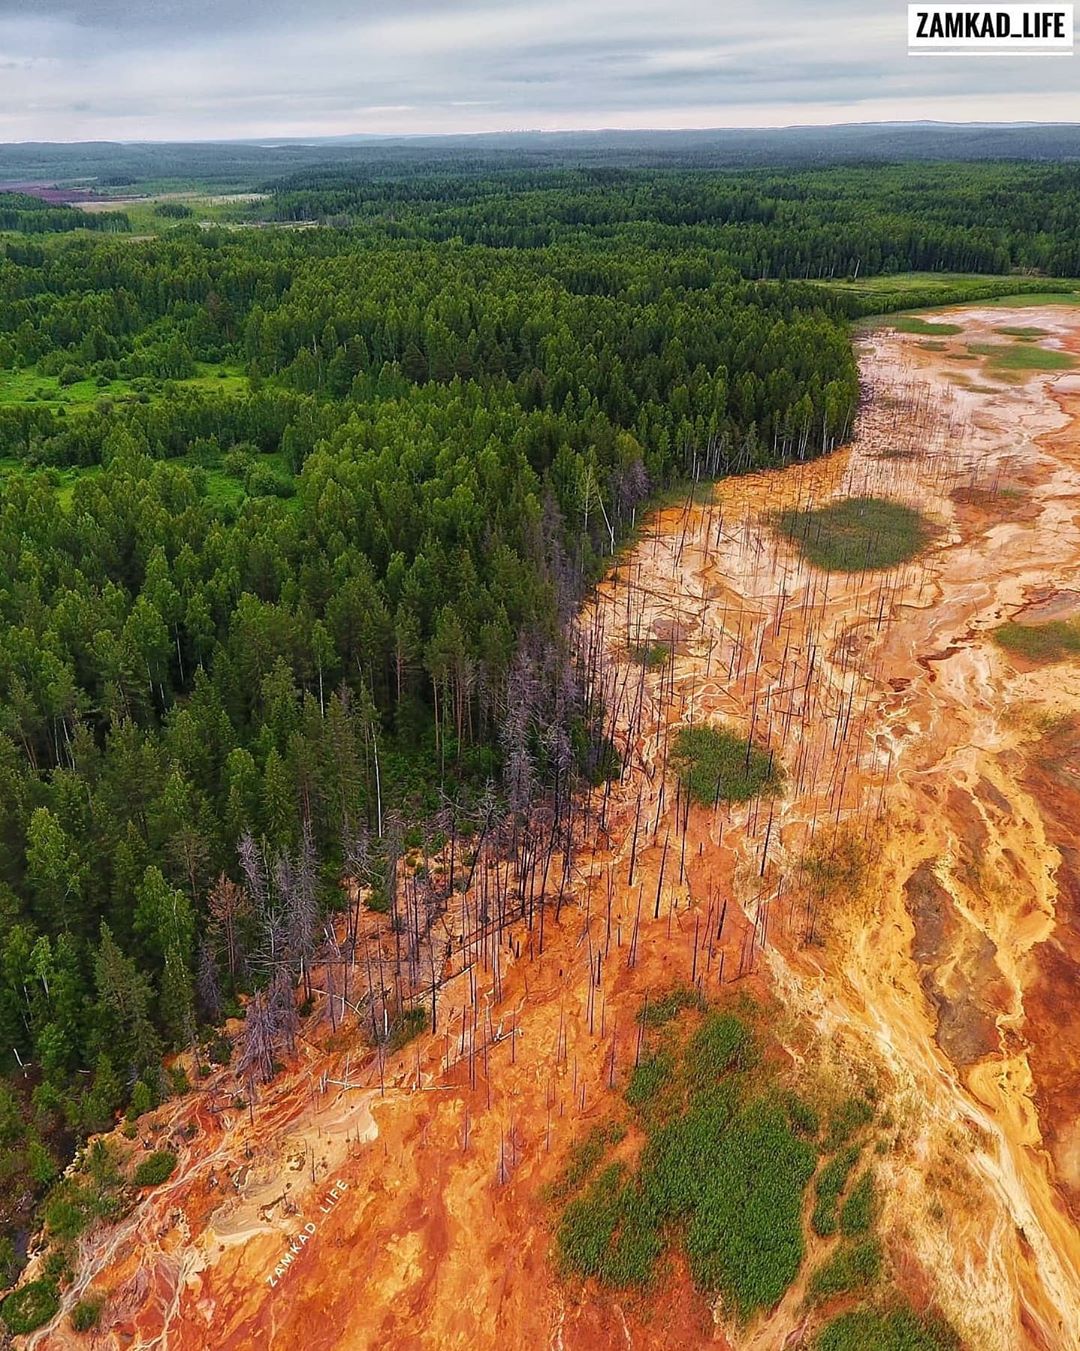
x: 29, y: 387
x: 1055, y: 641
x: 717, y: 765
x: 912, y: 323
x: 1011, y: 331
x: 225, y: 486
x: 856, y: 534
x: 1020, y: 356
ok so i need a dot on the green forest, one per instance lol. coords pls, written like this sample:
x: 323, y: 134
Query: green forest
x: 293, y: 522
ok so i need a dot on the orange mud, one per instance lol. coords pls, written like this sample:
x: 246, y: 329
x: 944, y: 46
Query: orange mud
x: 947, y: 975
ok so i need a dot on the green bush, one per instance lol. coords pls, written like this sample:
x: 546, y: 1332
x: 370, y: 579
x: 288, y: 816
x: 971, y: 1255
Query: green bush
x: 408, y: 1025
x: 155, y: 1169
x: 87, y: 1313
x: 64, y: 1217
x: 31, y: 1306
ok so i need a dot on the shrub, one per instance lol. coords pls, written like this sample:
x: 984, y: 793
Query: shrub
x: 31, y: 1306
x: 155, y: 1169
x: 86, y: 1314
x: 65, y: 1218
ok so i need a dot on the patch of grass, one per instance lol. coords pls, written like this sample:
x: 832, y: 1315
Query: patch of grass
x: 608, y: 1233
x: 1055, y: 641
x: 1022, y: 357
x: 856, y: 534
x: 156, y: 1169
x: 1026, y: 299
x: 895, y: 1330
x: 648, y: 1078
x: 830, y: 1183
x: 30, y: 1306
x: 1012, y: 331
x: 853, y: 1266
x: 30, y: 386
x: 912, y: 323
x: 657, y: 1012
x: 717, y: 765
x: 725, y: 1167
x: 847, y: 1118
x: 720, y: 1043
x: 584, y: 1157
x: 859, y: 1208
x: 408, y: 1025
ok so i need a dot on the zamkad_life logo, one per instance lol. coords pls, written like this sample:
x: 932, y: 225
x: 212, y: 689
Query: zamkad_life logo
x: 971, y: 30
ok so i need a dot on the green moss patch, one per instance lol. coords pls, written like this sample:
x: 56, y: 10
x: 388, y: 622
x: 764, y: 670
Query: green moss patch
x: 856, y: 534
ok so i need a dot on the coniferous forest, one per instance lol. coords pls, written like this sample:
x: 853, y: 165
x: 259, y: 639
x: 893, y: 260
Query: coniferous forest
x: 294, y: 522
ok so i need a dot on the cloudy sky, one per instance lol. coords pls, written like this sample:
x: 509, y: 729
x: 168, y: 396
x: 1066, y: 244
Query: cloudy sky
x: 174, y: 69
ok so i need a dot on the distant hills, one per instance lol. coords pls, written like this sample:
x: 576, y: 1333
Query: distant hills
x: 226, y: 164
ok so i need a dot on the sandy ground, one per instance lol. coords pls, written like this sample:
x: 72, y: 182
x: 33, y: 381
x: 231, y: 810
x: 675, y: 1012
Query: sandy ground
x: 948, y: 976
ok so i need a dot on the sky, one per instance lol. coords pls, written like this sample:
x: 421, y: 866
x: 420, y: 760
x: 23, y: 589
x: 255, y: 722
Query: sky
x: 220, y: 69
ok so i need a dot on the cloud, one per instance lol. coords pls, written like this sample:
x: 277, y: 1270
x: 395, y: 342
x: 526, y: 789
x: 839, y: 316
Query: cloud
x: 174, y: 69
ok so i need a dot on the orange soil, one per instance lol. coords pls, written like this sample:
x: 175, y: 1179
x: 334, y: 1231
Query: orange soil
x: 946, y: 979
